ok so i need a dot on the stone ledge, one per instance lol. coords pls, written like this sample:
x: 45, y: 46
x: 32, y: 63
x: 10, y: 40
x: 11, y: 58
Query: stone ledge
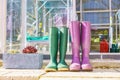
x: 9, y: 74
x: 15, y: 74
x: 79, y: 79
x: 94, y: 55
x: 83, y: 74
x: 102, y: 64
x: 1, y: 63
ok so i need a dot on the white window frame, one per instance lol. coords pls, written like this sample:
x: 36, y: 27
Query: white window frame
x: 3, y: 8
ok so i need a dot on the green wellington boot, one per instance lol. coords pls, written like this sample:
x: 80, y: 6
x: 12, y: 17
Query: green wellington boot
x: 53, y: 48
x: 62, y: 65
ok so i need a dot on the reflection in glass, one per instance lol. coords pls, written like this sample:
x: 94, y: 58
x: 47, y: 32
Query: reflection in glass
x: 42, y: 14
x: 97, y: 36
x: 13, y: 23
x: 115, y: 4
x: 96, y: 18
x: 78, y: 5
x: 95, y: 4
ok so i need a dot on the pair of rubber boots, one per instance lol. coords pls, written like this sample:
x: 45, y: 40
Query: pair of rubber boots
x: 58, y: 41
x: 80, y: 37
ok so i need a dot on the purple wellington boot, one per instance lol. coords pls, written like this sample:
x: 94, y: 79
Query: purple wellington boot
x: 75, y: 42
x: 85, y: 45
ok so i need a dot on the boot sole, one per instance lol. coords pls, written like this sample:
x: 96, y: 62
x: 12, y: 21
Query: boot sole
x: 74, y: 70
x: 63, y: 69
x: 50, y: 70
x: 88, y: 70
x: 86, y: 67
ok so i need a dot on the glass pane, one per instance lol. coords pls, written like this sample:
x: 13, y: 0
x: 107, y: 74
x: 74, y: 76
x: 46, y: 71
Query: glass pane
x: 79, y: 16
x: 115, y: 4
x: 96, y: 18
x: 55, y: 3
x: 13, y: 24
x: 116, y: 26
x: 95, y: 4
x: 114, y: 18
x: 78, y: 5
x: 43, y: 14
x: 97, y: 36
x: 39, y: 14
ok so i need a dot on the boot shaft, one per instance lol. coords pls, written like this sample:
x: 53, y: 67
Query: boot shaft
x: 75, y: 41
x: 75, y: 34
x: 53, y: 43
x: 85, y: 38
x: 85, y: 35
x: 63, y: 43
x: 75, y: 30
